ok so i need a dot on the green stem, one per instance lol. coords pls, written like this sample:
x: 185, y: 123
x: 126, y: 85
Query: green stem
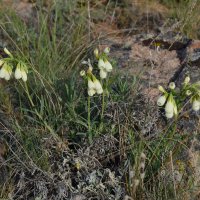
x: 103, y: 107
x: 28, y: 94
x: 89, y: 120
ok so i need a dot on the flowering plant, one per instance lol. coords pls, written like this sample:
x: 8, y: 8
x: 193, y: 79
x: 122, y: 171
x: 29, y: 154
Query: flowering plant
x: 8, y: 64
x: 174, y: 99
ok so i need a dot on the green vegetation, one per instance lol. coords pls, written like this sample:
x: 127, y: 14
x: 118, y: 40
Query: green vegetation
x: 54, y: 113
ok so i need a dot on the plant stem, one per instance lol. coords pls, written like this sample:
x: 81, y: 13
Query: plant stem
x: 89, y: 120
x: 103, y: 106
x: 28, y: 94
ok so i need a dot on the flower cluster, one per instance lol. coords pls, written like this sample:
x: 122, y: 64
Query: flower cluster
x: 104, y: 66
x: 173, y: 99
x: 167, y: 99
x: 7, y: 65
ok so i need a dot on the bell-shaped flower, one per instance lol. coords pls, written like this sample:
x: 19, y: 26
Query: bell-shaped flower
x: 107, y: 50
x: 169, y: 107
x: 18, y: 73
x: 91, y: 92
x: 101, y: 64
x: 21, y: 72
x: 98, y: 86
x: 24, y: 75
x: 108, y: 66
x: 172, y: 85
x: 169, y: 115
x: 161, y: 100
x: 91, y: 84
x: 103, y: 73
x: 6, y: 72
x: 196, y: 105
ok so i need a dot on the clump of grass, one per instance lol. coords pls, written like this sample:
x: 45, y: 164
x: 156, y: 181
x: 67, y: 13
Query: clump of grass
x: 56, y: 114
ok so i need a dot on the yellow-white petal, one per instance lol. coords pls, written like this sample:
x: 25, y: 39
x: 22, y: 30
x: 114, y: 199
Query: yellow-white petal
x: 6, y: 51
x: 91, y: 92
x: 91, y: 84
x: 1, y: 62
x: 97, y: 85
x: 18, y: 73
x: 108, y: 66
x: 24, y: 76
x: 101, y: 64
x: 169, y: 115
x: 7, y: 75
x: 2, y: 72
x: 196, y: 105
x: 161, y: 100
x: 169, y: 108
x: 103, y: 74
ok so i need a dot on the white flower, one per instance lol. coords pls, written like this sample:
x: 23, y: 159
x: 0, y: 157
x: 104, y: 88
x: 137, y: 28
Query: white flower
x: 91, y: 84
x: 82, y: 73
x: 1, y: 62
x: 169, y: 115
x: 161, y: 100
x: 91, y: 92
x: 187, y: 80
x: 196, y: 105
x: 18, y: 73
x: 107, y: 50
x: 103, y: 73
x: 97, y: 84
x: 101, y: 64
x: 24, y: 75
x: 6, y: 72
x: 169, y: 108
x: 6, y: 51
x: 2, y: 72
x: 108, y: 66
x: 98, y: 87
x: 172, y: 85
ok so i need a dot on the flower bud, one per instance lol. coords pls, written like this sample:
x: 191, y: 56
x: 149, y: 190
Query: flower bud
x: 96, y: 53
x: 188, y: 93
x: 196, y: 105
x: 187, y: 80
x: 6, y: 51
x: 107, y: 50
x: 161, y: 89
x: 172, y: 85
x: 82, y: 73
x: 161, y: 100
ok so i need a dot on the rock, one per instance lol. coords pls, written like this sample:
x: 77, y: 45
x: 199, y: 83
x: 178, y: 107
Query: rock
x: 193, y: 53
x: 168, y: 40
